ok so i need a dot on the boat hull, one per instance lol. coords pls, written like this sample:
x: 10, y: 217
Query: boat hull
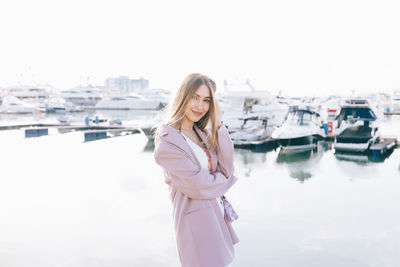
x: 298, y: 144
x: 355, y: 139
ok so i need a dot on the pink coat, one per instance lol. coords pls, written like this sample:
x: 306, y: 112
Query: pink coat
x: 204, y: 237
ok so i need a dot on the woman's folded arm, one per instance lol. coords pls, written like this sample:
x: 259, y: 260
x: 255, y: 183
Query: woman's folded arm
x: 186, y: 176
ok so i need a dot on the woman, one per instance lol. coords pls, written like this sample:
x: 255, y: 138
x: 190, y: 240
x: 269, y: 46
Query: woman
x: 198, y: 167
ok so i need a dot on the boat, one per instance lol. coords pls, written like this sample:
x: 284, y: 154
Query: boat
x: 13, y: 105
x: 356, y: 127
x: 256, y: 103
x: 29, y: 93
x: 301, y: 130
x: 83, y: 96
x: 130, y: 101
x: 254, y: 131
x: 59, y: 105
x: 356, y: 138
x: 160, y: 95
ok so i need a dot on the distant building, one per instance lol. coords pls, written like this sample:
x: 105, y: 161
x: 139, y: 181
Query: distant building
x: 125, y: 84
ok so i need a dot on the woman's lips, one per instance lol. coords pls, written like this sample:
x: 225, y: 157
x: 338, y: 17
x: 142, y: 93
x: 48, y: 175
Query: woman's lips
x: 198, y: 114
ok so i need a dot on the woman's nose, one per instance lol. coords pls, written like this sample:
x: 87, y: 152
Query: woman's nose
x: 199, y: 104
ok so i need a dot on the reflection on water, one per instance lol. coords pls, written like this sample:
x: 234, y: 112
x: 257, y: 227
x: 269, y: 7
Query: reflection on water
x: 300, y: 175
x: 362, y: 158
x: 149, y: 146
x: 301, y: 163
x: 250, y: 159
x: 302, y: 155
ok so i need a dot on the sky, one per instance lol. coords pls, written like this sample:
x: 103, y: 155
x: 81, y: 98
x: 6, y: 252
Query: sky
x: 297, y: 47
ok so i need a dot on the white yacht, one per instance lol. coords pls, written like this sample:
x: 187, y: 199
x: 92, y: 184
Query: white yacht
x: 12, y: 105
x: 253, y: 103
x: 161, y: 95
x: 301, y: 130
x: 254, y: 131
x: 29, y: 93
x: 58, y: 104
x: 356, y: 127
x: 130, y: 101
x: 83, y: 96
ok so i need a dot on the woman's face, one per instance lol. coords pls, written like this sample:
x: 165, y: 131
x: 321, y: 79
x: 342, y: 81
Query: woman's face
x: 199, y: 104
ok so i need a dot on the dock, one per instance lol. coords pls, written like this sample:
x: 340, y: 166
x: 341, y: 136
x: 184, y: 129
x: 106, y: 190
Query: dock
x: 20, y: 126
x: 91, y: 131
x: 107, y: 133
x: 383, y: 147
x: 391, y: 113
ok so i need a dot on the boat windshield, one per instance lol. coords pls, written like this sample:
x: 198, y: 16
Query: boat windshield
x: 301, y: 118
x: 356, y: 113
x: 252, y: 124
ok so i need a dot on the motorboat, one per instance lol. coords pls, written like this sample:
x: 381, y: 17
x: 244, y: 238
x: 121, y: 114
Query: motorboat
x: 130, y: 101
x: 59, y: 105
x: 240, y: 98
x: 254, y: 131
x: 301, y: 130
x: 356, y: 138
x: 13, y: 105
x: 354, y: 112
x: 83, y: 96
x: 254, y: 104
x: 29, y: 93
x: 160, y: 95
x: 356, y: 127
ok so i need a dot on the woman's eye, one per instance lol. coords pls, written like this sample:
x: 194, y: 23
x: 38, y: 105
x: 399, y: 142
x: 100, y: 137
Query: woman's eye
x: 194, y: 97
x: 207, y: 101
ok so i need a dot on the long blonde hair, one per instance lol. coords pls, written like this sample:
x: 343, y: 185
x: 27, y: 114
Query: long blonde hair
x: 185, y: 92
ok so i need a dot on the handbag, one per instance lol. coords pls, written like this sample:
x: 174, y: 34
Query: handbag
x: 230, y: 213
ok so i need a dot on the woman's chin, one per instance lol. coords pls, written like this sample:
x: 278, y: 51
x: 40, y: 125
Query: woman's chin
x: 195, y: 119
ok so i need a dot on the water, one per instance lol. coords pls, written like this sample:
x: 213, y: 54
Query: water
x: 64, y: 202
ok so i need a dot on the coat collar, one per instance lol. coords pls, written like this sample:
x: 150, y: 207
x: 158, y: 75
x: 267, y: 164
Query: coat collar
x: 172, y: 135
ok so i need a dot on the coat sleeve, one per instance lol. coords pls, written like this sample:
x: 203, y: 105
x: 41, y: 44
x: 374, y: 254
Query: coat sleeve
x: 224, y: 150
x: 186, y: 176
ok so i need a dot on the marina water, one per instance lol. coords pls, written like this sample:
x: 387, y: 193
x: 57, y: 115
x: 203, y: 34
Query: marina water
x: 66, y: 202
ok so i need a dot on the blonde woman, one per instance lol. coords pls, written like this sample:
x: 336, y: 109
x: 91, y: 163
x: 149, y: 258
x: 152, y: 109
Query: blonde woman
x: 198, y: 167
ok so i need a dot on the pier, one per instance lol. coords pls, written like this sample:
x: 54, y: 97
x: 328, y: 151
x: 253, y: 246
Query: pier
x: 384, y: 146
x: 91, y: 132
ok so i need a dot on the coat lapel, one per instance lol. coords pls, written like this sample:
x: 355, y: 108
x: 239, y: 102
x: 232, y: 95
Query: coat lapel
x: 207, y: 141
x: 172, y: 135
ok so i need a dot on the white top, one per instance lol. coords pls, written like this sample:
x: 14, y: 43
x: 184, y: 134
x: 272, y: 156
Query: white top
x: 199, y: 153
x: 203, y: 159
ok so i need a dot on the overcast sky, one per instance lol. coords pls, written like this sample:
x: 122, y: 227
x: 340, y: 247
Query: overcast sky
x: 299, y: 47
